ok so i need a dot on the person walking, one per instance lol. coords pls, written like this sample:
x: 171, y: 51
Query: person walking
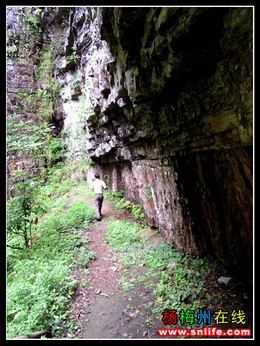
x: 98, y: 186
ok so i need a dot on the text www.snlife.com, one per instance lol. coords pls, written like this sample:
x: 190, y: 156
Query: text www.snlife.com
x: 206, y: 331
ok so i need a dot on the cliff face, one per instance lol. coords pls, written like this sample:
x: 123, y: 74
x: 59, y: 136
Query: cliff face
x: 161, y: 100
x: 22, y: 53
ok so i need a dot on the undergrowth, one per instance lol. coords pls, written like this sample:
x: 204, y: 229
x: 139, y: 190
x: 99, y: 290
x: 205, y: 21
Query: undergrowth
x: 123, y: 234
x: 122, y: 203
x: 178, y: 280
x: 39, y: 281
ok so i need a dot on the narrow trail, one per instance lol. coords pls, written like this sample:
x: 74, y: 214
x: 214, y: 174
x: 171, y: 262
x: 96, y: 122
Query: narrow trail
x: 103, y: 309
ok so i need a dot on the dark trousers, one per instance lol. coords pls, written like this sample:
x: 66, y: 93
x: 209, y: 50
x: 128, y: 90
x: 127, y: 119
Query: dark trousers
x: 98, y: 203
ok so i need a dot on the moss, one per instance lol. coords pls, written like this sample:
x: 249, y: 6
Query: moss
x: 162, y: 17
x: 157, y: 84
x: 148, y: 192
x: 50, y: 88
x: 72, y: 58
x: 12, y: 50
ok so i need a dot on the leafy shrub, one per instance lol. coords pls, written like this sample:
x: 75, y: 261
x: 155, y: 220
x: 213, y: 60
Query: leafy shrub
x: 55, y: 151
x: 121, y: 203
x: 40, y: 285
x: 39, y: 281
x: 113, y: 195
x: 61, y: 183
x: 137, y: 211
x: 22, y: 213
x: 12, y: 50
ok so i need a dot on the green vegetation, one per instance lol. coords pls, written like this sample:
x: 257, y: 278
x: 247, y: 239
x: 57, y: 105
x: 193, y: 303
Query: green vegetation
x: 78, y: 215
x: 22, y: 214
x: 72, y: 58
x: 122, y: 203
x: 148, y: 192
x: 123, y: 234
x: 126, y: 283
x: 177, y: 280
x: 34, y: 140
x: 39, y: 279
x: 12, y: 50
x: 46, y: 208
x: 180, y: 278
x: 49, y: 90
x: 113, y: 195
x: 31, y: 20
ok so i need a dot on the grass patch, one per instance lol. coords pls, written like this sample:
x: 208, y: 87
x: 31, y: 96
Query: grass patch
x: 65, y: 179
x: 40, y: 286
x: 122, y: 203
x: 132, y: 258
x: 178, y: 280
x: 78, y: 215
x: 123, y: 234
x: 82, y: 189
x: 125, y: 283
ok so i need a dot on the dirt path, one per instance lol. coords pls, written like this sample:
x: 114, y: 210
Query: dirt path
x: 103, y: 309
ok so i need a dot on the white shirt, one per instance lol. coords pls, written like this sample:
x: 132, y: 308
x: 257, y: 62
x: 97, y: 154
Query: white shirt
x: 98, y: 186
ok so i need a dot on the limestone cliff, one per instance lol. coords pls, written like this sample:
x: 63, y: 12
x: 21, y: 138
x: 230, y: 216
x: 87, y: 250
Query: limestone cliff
x: 161, y: 100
